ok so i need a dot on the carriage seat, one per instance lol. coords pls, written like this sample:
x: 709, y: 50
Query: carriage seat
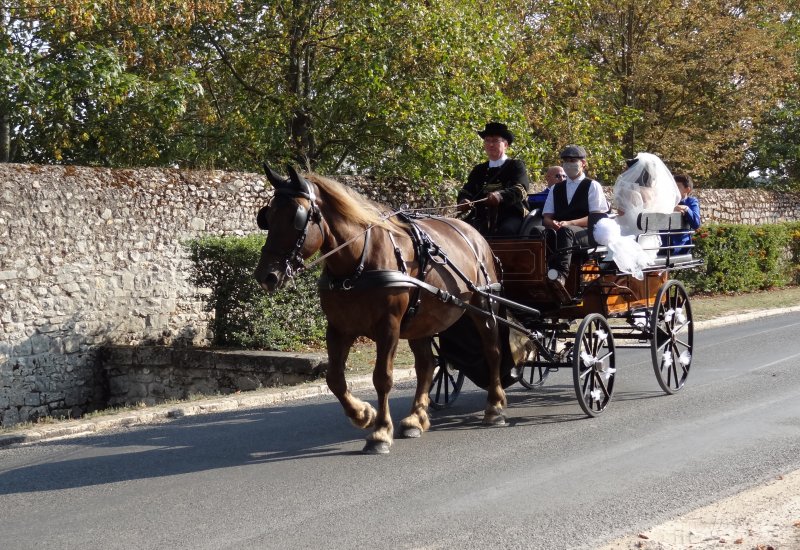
x: 653, y: 223
x: 532, y: 224
x: 665, y: 225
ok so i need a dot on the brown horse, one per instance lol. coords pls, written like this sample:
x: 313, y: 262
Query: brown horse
x: 385, y: 279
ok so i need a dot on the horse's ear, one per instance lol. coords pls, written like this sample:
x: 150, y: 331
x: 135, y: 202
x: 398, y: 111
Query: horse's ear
x: 274, y: 178
x: 298, y: 182
x: 294, y: 176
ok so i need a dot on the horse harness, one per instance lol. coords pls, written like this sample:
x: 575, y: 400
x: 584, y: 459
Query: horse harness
x: 426, y: 252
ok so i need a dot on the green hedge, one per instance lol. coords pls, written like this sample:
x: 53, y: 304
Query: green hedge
x: 245, y: 315
x: 738, y: 258
x: 743, y: 258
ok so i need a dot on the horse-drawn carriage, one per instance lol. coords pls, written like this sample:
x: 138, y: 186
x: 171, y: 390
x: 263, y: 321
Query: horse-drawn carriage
x: 437, y: 283
x: 607, y: 306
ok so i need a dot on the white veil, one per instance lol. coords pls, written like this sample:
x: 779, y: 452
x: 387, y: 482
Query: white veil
x: 646, y: 186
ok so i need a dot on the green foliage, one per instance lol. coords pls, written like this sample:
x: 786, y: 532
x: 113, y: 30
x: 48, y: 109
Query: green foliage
x: 398, y: 89
x: 743, y: 258
x: 245, y: 315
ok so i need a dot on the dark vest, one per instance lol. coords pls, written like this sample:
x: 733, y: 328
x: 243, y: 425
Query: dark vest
x: 578, y: 208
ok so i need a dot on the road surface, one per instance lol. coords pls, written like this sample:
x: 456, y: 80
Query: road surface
x: 293, y: 476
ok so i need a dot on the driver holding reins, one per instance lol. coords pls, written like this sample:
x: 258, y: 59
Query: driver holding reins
x: 503, y: 183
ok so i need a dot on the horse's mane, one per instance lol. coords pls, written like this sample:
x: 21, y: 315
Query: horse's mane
x: 352, y: 206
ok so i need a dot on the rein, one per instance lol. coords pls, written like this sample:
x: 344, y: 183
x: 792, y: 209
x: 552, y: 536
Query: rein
x: 309, y: 265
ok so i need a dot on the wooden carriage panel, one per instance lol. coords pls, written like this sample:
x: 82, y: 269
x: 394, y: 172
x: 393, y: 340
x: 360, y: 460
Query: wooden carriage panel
x: 625, y: 292
x: 524, y: 270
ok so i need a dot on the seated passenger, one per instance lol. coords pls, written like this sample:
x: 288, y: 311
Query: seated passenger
x: 553, y: 175
x: 497, y: 189
x: 566, y: 211
x: 690, y: 208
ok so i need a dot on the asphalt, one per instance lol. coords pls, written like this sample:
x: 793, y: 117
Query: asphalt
x: 257, y: 398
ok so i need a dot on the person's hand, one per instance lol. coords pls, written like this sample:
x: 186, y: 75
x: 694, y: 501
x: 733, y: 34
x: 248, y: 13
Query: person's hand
x: 494, y: 198
x: 682, y: 208
x: 463, y: 205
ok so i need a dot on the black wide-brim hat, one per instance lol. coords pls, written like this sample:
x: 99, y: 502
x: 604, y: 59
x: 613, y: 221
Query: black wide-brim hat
x: 497, y: 129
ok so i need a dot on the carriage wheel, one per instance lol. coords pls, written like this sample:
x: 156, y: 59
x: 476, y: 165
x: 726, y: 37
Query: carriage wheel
x: 593, y: 364
x: 673, y: 334
x: 533, y: 376
x: 447, y: 381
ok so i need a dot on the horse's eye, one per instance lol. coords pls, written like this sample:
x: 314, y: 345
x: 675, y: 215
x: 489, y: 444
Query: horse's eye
x: 261, y: 218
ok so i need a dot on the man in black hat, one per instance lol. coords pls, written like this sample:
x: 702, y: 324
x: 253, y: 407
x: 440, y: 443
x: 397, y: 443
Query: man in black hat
x: 567, y: 211
x: 503, y: 183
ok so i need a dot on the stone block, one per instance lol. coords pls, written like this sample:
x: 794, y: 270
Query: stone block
x: 40, y: 344
x: 10, y: 417
x: 246, y: 383
x: 117, y: 355
x: 72, y: 344
x: 119, y: 385
x: 153, y: 356
x: 33, y: 400
x: 74, y: 396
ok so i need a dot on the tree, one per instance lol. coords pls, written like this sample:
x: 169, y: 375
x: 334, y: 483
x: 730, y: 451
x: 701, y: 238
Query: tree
x: 688, y: 80
x: 774, y: 155
x: 346, y: 85
x: 398, y: 88
x: 94, y: 82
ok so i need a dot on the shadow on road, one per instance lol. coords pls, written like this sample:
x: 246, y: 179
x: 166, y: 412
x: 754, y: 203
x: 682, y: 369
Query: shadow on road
x: 256, y: 436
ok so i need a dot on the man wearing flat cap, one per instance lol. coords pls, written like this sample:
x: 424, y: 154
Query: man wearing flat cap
x: 503, y: 183
x: 568, y: 209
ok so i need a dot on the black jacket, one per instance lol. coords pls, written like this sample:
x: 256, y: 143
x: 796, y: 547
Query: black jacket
x: 510, y: 179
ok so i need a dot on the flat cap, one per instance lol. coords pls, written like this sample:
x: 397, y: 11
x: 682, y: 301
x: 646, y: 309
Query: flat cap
x: 573, y: 151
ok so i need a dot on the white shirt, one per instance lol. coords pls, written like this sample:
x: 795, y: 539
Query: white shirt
x: 498, y: 162
x: 597, y: 199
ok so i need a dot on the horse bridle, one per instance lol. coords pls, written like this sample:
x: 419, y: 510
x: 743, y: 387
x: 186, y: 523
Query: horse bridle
x: 302, y: 220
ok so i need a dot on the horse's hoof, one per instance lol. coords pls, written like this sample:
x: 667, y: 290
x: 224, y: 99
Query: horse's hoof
x: 411, y: 432
x: 495, y: 420
x: 376, y: 448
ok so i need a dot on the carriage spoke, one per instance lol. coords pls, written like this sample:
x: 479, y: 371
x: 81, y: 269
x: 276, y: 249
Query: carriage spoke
x: 671, y: 347
x: 593, y: 364
x: 446, y: 383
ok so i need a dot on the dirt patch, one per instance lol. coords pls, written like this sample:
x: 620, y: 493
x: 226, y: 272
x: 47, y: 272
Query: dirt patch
x: 761, y: 518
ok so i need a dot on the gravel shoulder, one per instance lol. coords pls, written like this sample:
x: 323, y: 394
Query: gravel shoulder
x: 764, y: 517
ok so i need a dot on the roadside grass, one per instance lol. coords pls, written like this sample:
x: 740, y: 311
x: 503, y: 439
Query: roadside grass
x: 709, y: 307
x: 362, y: 355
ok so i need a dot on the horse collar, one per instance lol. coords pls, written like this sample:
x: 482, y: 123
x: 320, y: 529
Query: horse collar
x: 347, y: 283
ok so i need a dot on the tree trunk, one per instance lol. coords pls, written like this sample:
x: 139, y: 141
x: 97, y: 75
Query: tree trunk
x: 5, y: 138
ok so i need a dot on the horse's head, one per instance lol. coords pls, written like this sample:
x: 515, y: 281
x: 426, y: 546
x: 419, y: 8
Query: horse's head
x: 287, y: 219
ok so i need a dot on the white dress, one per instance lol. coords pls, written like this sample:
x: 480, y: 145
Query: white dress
x: 646, y: 186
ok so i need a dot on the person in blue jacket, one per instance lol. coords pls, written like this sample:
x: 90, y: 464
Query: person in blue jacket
x: 554, y: 175
x: 690, y: 208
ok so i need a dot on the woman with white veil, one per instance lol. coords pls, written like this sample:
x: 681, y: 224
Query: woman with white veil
x: 646, y: 186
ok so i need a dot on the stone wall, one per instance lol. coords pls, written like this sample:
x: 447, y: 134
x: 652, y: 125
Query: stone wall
x: 92, y: 257
x: 747, y: 206
x: 154, y: 374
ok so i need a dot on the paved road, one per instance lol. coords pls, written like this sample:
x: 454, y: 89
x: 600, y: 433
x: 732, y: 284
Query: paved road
x: 292, y: 476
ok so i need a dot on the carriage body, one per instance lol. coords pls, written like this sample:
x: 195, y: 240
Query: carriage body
x: 609, y: 310
x: 596, y: 284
